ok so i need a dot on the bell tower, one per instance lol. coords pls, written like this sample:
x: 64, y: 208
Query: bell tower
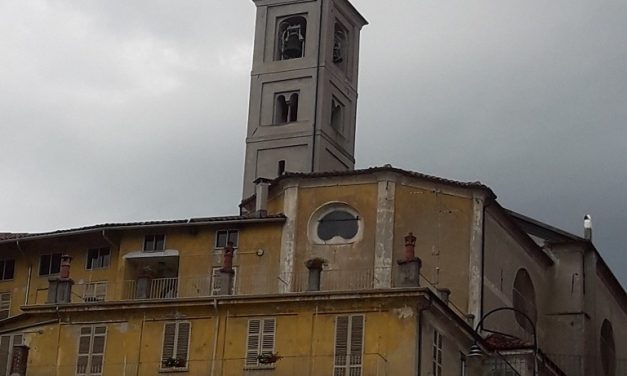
x: 303, y: 90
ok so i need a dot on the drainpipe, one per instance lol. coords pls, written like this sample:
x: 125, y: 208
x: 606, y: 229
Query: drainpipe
x: 419, y: 336
x: 30, y: 271
x: 105, y: 237
x: 216, y: 328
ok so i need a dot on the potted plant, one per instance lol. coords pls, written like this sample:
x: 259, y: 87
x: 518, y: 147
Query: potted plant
x: 172, y: 362
x: 268, y: 358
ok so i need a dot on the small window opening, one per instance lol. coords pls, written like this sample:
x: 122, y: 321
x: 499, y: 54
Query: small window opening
x: 286, y: 108
x: 337, y: 113
x: 281, y: 168
x: 291, y: 38
x: 339, y: 45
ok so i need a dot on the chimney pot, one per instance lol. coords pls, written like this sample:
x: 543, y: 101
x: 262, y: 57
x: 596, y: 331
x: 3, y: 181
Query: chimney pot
x: 261, y: 196
x: 587, y: 227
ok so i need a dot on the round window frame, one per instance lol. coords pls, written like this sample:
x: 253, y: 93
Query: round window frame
x: 321, y: 212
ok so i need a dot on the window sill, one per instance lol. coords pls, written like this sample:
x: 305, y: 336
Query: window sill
x: 173, y: 370
x: 260, y: 367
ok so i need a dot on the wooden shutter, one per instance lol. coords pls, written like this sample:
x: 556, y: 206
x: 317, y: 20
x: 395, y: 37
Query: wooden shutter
x: 253, y: 341
x: 169, y: 336
x: 182, y: 342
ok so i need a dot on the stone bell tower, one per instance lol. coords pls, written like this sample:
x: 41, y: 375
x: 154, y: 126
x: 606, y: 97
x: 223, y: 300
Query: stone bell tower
x: 303, y: 90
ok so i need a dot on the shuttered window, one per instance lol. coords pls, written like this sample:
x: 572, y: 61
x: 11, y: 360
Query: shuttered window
x: 91, y: 348
x: 5, y: 304
x: 6, y: 351
x: 349, y: 345
x: 175, y: 345
x: 260, y: 341
x: 437, y: 353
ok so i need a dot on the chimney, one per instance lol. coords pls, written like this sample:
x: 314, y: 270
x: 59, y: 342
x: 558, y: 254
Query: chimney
x: 60, y: 287
x: 587, y: 227
x: 261, y: 196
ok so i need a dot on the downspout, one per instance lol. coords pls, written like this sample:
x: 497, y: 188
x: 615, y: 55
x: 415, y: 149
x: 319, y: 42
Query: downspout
x: 216, y: 328
x: 141, y: 336
x: 30, y: 271
x: 315, y: 119
x: 419, y: 336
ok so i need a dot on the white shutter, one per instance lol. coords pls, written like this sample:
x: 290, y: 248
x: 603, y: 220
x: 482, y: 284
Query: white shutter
x: 349, y: 339
x: 267, y: 339
x: 176, y: 337
x: 253, y: 342
x: 91, y: 348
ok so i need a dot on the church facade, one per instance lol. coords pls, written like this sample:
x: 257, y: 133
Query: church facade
x: 325, y: 270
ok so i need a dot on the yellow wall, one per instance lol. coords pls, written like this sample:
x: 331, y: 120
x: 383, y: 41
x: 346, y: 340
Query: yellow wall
x: 441, y: 224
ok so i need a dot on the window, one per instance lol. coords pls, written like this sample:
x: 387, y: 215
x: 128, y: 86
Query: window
x: 7, y: 269
x: 281, y: 168
x: 216, y: 281
x: 154, y: 243
x: 338, y: 223
x: 337, y: 115
x: 524, y: 300
x: 6, y: 351
x: 608, y: 349
x: 340, y: 46
x: 95, y: 292
x: 98, y: 258
x: 5, y: 304
x: 286, y: 108
x: 50, y: 264
x: 260, y: 341
x: 335, y: 223
x: 437, y: 353
x: 225, y: 236
x: 349, y: 343
x: 291, y: 38
x: 91, y: 348
x: 175, y: 350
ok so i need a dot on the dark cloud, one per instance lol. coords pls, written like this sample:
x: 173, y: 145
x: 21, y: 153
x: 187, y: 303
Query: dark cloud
x: 115, y: 111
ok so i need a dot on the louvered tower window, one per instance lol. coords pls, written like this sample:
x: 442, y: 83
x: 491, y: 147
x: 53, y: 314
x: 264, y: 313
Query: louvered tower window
x: 91, y: 348
x: 260, y: 341
x: 175, y: 345
x: 349, y: 345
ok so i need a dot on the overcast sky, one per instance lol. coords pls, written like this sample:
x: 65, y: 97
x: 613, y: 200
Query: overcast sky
x: 119, y: 110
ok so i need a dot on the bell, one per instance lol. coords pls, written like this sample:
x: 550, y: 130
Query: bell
x: 292, y: 43
x: 292, y: 48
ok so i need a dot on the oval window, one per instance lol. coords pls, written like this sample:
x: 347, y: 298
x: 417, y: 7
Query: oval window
x: 335, y: 223
x: 338, y: 223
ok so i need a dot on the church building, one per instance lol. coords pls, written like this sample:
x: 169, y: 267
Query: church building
x: 325, y: 269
